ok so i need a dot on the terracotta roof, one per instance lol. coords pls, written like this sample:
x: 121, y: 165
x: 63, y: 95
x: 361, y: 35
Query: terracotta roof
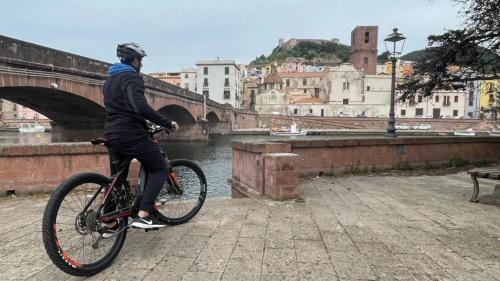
x: 308, y: 100
x: 273, y: 77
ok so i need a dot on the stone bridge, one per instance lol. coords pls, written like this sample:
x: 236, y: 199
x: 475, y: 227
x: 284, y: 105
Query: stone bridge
x: 67, y: 88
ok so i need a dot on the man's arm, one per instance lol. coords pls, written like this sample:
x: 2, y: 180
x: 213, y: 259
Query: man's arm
x: 135, y: 94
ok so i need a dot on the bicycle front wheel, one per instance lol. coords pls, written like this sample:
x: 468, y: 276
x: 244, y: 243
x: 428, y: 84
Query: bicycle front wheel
x: 71, y: 231
x: 183, y: 194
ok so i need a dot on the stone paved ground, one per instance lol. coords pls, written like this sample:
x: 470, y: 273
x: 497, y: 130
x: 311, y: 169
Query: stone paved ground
x: 353, y: 228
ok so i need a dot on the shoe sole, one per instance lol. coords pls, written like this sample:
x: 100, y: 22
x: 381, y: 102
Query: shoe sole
x: 146, y: 226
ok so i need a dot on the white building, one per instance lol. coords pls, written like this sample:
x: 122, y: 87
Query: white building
x: 219, y: 80
x: 443, y: 104
x: 188, y: 79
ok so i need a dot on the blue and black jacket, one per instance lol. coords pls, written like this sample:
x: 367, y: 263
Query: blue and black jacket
x: 126, y: 107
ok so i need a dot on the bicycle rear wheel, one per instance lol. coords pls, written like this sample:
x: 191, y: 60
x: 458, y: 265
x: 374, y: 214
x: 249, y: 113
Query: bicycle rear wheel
x: 71, y: 236
x: 181, y: 199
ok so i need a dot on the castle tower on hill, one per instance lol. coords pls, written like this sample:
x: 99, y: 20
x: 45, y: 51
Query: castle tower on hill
x: 363, y: 53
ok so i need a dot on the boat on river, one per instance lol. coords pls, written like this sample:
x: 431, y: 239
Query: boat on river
x: 292, y: 130
x: 468, y: 132
x: 31, y: 128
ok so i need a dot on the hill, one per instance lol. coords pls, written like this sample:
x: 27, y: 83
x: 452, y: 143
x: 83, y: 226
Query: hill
x: 312, y: 51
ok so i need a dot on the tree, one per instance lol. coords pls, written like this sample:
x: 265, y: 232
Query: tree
x: 459, y: 56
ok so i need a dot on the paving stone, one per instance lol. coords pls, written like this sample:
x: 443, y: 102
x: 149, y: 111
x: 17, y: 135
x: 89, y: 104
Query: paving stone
x: 280, y: 262
x: 248, y: 248
x: 253, y: 231
x: 310, y: 251
x: 242, y: 269
x: 420, y: 263
x: 317, y: 272
x: 446, y: 258
x: 378, y: 254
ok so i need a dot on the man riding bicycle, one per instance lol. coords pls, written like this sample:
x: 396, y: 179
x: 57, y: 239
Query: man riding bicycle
x: 126, y: 130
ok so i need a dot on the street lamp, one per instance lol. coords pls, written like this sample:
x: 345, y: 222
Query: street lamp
x: 394, y: 37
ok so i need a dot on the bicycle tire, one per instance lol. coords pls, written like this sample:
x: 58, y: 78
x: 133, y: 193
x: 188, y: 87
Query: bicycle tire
x: 174, y: 165
x: 50, y: 240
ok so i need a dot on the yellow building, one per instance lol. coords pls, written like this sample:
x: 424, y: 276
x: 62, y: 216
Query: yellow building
x: 488, y: 94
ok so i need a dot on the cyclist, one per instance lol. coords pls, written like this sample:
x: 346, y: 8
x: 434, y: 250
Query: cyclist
x: 126, y: 130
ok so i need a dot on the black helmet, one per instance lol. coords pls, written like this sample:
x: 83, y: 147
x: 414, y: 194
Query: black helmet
x: 128, y: 51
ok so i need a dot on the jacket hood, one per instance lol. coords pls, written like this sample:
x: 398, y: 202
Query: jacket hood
x: 119, y: 68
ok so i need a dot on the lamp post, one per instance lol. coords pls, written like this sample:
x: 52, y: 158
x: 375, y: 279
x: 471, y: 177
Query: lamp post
x: 394, y: 37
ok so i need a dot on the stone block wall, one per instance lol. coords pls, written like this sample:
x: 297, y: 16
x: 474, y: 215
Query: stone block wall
x: 41, y: 168
x: 273, y: 168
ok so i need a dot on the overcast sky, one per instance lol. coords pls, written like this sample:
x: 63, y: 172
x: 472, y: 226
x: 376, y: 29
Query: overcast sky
x: 176, y: 34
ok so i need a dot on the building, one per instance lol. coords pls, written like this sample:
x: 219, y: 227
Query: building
x: 442, y: 104
x: 251, y: 88
x: 299, y: 85
x: 489, y: 97
x: 173, y: 78
x: 472, y: 100
x: 219, y: 80
x: 188, y: 79
x: 363, y: 54
x: 272, y: 98
x: 13, y: 111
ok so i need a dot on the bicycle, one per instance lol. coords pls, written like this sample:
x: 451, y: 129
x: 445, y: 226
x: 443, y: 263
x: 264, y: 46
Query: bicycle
x: 78, y: 208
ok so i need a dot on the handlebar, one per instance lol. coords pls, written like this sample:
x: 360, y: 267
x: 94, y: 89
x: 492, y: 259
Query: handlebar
x: 155, y: 129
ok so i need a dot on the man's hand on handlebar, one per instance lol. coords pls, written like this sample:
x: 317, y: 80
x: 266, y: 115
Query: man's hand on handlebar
x: 174, y: 127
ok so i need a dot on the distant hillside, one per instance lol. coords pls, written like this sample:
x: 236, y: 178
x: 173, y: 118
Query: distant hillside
x: 413, y: 56
x: 325, y: 51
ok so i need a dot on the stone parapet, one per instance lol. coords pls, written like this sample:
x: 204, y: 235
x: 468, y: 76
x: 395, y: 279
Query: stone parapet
x: 41, y: 168
x: 272, y: 168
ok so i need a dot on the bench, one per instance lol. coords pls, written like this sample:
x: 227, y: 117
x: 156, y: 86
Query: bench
x: 492, y: 173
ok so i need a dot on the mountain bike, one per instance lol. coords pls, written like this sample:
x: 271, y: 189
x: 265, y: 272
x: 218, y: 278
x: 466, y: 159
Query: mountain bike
x: 73, y: 229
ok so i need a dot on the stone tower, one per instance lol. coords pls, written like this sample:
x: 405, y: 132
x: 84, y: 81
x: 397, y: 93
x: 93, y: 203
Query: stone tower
x: 363, y: 53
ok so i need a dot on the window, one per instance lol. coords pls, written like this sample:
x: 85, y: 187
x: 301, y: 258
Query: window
x: 186, y: 75
x: 437, y: 98
x: 365, y: 60
x: 419, y: 98
x: 305, y: 91
x: 403, y: 112
x: 419, y: 111
x: 186, y: 86
x: 287, y: 83
x: 471, y: 99
x: 304, y: 82
x: 310, y: 110
x: 456, y: 99
x: 227, y: 95
x: 368, y: 88
x: 322, y: 112
x: 345, y: 86
x: 226, y: 70
x: 367, y: 37
x: 446, y: 100
x: 226, y: 82
x: 345, y: 101
x: 295, y: 111
x: 205, y: 70
x: 205, y: 82
x: 455, y: 112
x: 205, y: 93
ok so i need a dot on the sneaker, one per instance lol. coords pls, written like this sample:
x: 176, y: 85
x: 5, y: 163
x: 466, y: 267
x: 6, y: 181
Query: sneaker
x: 147, y: 222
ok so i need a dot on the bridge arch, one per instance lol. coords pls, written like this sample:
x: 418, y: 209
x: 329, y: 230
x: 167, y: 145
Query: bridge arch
x: 178, y: 114
x: 62, y: 107
x: 212, y: 117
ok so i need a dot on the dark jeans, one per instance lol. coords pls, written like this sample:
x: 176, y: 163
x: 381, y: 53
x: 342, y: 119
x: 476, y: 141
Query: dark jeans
x: 148, y: 153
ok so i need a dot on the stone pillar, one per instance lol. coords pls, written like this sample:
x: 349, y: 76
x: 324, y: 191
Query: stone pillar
x: 280, y: 177
x: 264, y: 169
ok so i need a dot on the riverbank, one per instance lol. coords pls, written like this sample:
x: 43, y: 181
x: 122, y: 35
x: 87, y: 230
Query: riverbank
x: 356, y: 132
x: 354, y: 228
